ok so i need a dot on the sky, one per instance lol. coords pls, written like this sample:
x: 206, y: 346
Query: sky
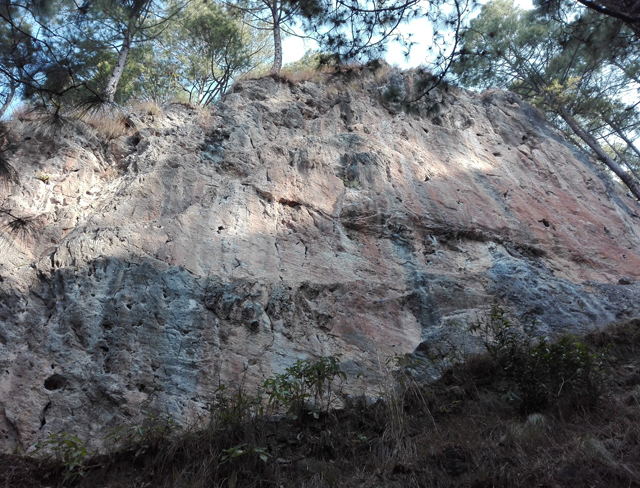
x: 293, y: 48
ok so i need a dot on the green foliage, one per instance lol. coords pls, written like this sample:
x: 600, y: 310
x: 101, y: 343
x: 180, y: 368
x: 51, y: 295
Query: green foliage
x: 305, y: 386
x: 145, y: 436
x: 350, y: 183
x: 540, y: 371
x: 392, y: 94
x: 581, y: 71
x: 68, y: 451
x: 240, y: 450
x: 452, y: 429
x: 197, y: 56
x: 312, y: 60
x: 234, y: 408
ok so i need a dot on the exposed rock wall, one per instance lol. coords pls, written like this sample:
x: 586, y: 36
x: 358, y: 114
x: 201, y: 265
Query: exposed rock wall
x: 296, y: 220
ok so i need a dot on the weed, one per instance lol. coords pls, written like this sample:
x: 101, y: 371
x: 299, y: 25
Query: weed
x: 68, y: 451
x: 145, y: 436
x: 243, y: 450
x: 234, y: 408
x: 44, y: 177
x: 350, y: 183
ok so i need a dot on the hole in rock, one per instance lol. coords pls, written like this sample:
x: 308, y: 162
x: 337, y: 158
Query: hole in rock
x: 546, y: 222
x: 43, y: 415
x: 55, y: 382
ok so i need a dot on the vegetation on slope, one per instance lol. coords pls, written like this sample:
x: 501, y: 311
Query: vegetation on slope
x: 528, y: 412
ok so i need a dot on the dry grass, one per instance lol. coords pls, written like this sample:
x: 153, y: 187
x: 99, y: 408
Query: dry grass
x: 204, y: 116
x: 382, y: 72
x: 295, y: 73
x: 149, y: 108
x: 305, y: 74
x: 106, y: 125
x: 106, y: 122
x: 461, y: 431
x: 25, y: 113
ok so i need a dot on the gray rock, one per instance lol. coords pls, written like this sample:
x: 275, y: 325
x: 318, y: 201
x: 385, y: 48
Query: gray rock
x: 203, y: 248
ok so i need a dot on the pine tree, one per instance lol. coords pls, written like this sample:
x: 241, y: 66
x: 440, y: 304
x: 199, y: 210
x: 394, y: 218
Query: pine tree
x: 551, y: 64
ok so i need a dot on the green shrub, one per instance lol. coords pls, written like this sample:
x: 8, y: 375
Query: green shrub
x: 392, y: 94
x: 540, y: 371
x: 305, y: 386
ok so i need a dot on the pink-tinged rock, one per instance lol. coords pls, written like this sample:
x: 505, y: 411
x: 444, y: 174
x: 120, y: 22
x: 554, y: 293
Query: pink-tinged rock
x: 296, y: 221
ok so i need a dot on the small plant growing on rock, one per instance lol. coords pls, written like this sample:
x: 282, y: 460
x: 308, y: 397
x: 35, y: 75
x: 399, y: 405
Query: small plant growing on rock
x: 44, y: 177
x: 350, y: 183
x: 392, y: 94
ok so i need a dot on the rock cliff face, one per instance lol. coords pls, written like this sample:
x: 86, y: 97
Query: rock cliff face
x: 295, y: 220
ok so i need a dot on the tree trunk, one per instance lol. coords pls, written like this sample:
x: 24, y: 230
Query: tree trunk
x: 277, y: 40
x: 109, y: 95
x: 629, y: 143
x: 7, y: 102
x: 626, y: 163
x: 626, y: 10
x: 590, y: 141
x: 616, y: 128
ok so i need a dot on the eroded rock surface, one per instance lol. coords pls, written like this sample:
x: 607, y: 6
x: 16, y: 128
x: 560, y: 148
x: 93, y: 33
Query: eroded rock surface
x: 295, y: 220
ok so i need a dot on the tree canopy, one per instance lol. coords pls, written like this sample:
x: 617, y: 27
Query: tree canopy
x: 553, y: 63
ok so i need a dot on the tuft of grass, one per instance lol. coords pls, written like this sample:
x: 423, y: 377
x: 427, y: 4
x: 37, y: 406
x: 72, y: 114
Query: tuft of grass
x: 7, y: 144
x: 109, y: 125
x: 149, y: 108
x: 297, y: 76
x: 19, y: 226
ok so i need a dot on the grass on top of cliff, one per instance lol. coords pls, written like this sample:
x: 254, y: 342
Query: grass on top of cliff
x: 529, y: 413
